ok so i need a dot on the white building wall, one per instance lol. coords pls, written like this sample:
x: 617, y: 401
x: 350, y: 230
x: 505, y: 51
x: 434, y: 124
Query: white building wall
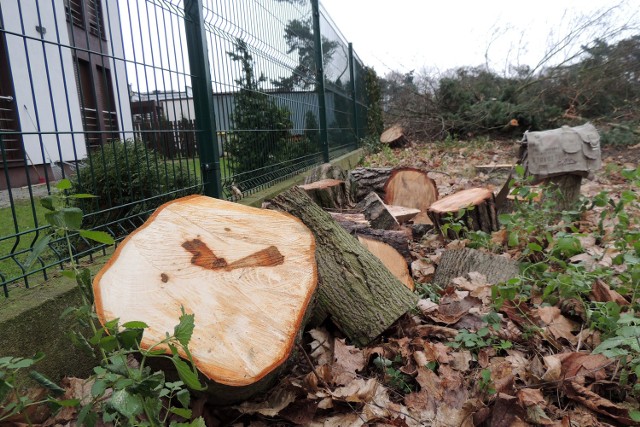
x: 117, y: 64
x: 42, y: 98
x: 175, y: 109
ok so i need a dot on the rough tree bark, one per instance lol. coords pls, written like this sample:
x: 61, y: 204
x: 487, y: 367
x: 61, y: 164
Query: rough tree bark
x: 377, y: 214
x: 330, y: 171
x: 566, y: 189
x: 369, y: 179
x: 357, y: 225
x: 482, y: 216
x: 358, y: 293
x: 328, y: 193
x: 458, y: 262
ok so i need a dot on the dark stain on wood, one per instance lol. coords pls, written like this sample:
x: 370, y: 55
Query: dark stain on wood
x: 227, y: 229
x: 205, y: 258
x: 164, y: 277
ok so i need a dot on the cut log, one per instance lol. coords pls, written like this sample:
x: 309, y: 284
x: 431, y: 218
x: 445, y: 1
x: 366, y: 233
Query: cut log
x: 394, y: 136
x: 459, y: 262
x: 328, y: 193
x: 480, y: 210
x: 366, y: 180
x: 357, y: 225
x: 358, y: 293
x: 330, y: 171
x: 390, y: 258
x: 377, y: 214
x: 402, y: 214
x: 246, y: 274
x: 411, y: 188
x: 326, y: 171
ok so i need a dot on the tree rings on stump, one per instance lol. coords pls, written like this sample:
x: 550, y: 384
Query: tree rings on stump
x: 247, y: 275
x: 411, y: 188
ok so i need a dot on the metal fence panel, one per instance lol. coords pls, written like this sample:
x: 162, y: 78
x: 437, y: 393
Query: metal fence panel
x: 108, y: 93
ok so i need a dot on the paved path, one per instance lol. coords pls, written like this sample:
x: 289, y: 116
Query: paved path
x: 22, y: 193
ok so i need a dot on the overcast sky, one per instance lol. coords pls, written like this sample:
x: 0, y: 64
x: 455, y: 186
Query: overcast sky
x: 406, y: 35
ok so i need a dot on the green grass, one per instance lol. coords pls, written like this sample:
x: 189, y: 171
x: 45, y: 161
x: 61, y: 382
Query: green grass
x: 25, y: 219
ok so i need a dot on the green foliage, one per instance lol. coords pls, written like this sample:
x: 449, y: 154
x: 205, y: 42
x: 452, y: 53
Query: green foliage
x: 373, y: 90
x: 621, y: 135
x: 393, y: 377
x: 261, y: 136
x: 131, y: 179
x: 485, y: 383
x: 483, y: 337
x: 13, y: 400
x: 126, y: 393
x: 600, y: 85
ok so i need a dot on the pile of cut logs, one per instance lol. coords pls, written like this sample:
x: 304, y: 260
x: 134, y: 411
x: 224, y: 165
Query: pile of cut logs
x: 335, y: 248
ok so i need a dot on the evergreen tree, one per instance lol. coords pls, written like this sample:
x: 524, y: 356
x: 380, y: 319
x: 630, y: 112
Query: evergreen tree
x: 261, y: 128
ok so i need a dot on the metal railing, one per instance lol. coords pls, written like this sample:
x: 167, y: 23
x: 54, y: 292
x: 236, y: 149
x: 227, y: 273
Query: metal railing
x: 142, y: 101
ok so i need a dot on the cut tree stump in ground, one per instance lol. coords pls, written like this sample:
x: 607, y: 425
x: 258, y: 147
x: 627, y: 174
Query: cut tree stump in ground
x: 565, y: 191
x: 480, y: 210
x: 376, y: 212
x: 246, y: 274
x: 394, y: 136
x: 459, y: 262
x: 390, y: 258
x: 328, y: 193
x: 411, y: 188
x: 330, y: 171
x: 355, y: 290
x: 366, y: 180
x: 357, y: 225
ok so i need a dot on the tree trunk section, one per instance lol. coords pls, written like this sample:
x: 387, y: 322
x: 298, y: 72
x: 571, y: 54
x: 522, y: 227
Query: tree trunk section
x: 357, y: 225
x: 377, y: 214
x: 566, y: 189
x: 328, y: 193
x: 458, y: 262
x: 358, y: 293
x: 390, y: 258
x: 411, y: 188
x: 366, y: 180
x: 248, y: 275
x: 394, y: 136
x: 329, y: 171
x: 479, y: 211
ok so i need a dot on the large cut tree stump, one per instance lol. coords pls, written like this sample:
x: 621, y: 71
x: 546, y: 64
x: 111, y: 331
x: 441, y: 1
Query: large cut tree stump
x: 479, y: 210
x: 411, y: 188
x: 357, y: 225
x: 328, y: 193
x: 366, y: 180
x: 247, y: 274
x: 358, y: 293
x: 394, y: 136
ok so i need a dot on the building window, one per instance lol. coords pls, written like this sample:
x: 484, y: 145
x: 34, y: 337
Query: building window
x: 11, y: 142
x: 75, y: 15
x: 96, y: 21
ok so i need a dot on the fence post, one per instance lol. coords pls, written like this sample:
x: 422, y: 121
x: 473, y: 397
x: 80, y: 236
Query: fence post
x: 203, y: 98
x: 352, y: 75
x: 322, y: 105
